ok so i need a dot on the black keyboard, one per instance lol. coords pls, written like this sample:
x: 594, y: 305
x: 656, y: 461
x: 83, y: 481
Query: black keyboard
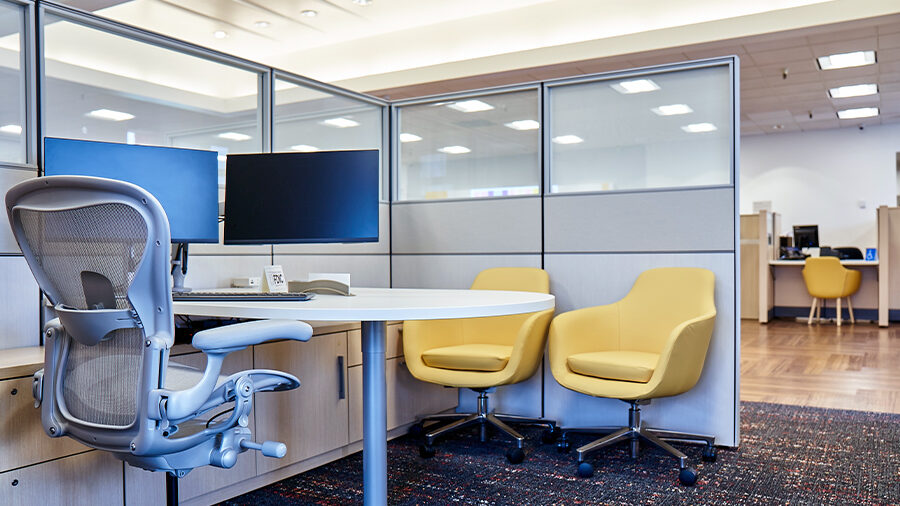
x: 240, y: 296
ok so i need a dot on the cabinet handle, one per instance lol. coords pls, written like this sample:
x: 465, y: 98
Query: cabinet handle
x: 342, y: 393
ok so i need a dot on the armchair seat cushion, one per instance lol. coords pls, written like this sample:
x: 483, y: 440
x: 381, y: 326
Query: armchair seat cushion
x: 633, y: 366
x: 469, y: 357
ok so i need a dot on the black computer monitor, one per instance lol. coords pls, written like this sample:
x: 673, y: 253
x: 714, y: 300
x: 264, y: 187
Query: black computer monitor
x: 318, y: 197
x: 806, y: 236
x: 185, y: 181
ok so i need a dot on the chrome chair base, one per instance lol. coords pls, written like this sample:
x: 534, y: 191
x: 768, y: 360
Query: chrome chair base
x: 483, y: 418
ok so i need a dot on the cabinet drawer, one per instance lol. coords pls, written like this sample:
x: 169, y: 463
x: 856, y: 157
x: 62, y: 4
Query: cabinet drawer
x: 393, y: 345
x: 93, y: 477
x: 22, y: 440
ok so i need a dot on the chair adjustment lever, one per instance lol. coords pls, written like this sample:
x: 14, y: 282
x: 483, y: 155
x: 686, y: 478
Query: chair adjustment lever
x: 268, y: 448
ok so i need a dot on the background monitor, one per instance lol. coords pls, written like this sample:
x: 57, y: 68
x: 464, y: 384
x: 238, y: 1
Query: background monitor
x: 185, y: 181
x: 318, y: 197
x: 806, y: 236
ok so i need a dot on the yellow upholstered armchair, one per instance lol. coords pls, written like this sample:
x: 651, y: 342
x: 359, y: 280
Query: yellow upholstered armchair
x: 650, y: 344
x: 826, y: 278
x: 480, y: 354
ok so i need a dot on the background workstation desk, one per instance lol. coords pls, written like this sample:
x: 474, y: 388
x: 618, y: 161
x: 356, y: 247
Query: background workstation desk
x: 374, y: 307
x: 792, y: 300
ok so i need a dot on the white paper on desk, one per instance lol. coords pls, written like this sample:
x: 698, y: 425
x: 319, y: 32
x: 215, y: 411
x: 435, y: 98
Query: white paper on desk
x: 343, y: 277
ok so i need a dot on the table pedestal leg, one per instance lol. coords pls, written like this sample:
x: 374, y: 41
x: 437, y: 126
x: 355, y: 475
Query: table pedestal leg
x: 374, y: 414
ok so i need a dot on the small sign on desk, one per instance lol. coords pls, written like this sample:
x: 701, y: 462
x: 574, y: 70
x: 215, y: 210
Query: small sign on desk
x: 273, y: 279
x: 871, y: 254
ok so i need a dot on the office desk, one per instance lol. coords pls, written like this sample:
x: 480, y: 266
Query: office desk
x: 374, y: 307
x: 792, y: 300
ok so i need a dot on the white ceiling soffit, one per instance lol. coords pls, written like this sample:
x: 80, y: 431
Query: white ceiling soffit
x: 392, y: 43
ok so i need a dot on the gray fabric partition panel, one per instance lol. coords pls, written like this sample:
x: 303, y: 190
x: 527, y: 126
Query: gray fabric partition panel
x: 506, y: 225
x: 450, y: 271
x: 364, y: 270
x: 677, y: 220
x: 19, y: 304
x: 8, y: 179
x: 214, y: 271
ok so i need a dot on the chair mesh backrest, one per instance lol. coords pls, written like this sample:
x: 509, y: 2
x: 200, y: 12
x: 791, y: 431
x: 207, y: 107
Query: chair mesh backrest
x: 100, y: 383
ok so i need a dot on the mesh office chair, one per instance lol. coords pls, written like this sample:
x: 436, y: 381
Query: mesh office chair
x: 99, y: 250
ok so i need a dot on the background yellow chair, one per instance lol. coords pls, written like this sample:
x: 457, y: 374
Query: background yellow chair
x: 650, y: 344
x: 481, y: 353
x: 826, y: 278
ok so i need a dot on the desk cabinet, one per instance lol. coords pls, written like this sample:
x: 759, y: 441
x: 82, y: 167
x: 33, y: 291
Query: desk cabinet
x: 312, y: 419
x: 92, y: 477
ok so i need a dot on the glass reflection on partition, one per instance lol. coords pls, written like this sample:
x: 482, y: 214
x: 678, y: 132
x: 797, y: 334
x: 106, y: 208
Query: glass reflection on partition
x: 12, y: 82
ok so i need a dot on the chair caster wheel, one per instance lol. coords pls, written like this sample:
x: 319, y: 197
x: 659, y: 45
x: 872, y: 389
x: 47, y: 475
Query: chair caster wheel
x: 426, y: 451
x: 563, y: 445
x: 710, y: 453
x: 515, y: 455
x: 549, y: 435
x: 688, y: 476
x: 585, y: 470
x: 416, y: 430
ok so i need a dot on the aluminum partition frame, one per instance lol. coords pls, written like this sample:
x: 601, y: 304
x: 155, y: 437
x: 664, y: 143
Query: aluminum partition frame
x: 28, y: 63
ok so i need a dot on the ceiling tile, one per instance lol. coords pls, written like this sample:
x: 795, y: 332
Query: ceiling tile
x: 820, y: 125
x: 889, y: 41
x: 781, y: 55
x: 772, y: 117
x: 830, y: 36
x: 845, y: 46
x: 750, y: 72
x: 770, y: 42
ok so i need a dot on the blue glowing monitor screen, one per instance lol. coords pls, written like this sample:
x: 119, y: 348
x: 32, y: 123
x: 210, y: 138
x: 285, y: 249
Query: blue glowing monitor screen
x: 185, y: 181
x: 319, y: 197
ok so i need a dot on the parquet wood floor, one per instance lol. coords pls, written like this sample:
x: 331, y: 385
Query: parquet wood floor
x: 849, y: 367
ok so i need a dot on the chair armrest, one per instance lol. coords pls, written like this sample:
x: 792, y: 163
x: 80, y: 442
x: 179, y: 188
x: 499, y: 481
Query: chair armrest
x: 528, y: 347
x: 218, y: 342
x: 681, y: 361
x: 422, y: 335
x: 240, y: 335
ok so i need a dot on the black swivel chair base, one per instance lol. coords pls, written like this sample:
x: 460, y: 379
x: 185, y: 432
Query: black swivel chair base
x: 483, y: 419
x: 634, y: 433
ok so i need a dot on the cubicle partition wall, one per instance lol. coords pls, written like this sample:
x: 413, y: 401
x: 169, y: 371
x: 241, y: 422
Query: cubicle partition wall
x: 466, y: 198
x: 636, y: 169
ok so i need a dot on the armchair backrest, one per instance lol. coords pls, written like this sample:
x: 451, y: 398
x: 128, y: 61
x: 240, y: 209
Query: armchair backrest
x: 660, y: 300
x: 504, y: 329
x: 825, y: 277
x: 99, y: 250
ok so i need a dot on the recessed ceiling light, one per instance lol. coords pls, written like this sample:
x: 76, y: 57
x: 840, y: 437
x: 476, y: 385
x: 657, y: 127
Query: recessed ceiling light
x: 470, y: 106
x: 234, y: 136
x: 844, y: 60
x: 856, y: 90
x: 11, y: 129
x: 261, y: 24
x: 523, y: 124
x: 362, y: 2
x: 407, y: 137
x: 696, y: 128
x: 340, y: 122
x: 567, y: 139
x: 862, y: 112
x: 309, y: 13
x: 109, y: 114
x: 672, y: 110
x: 304, y: 148
x: 454, y: 150
x: 220, y: 34
x: 635, y: 86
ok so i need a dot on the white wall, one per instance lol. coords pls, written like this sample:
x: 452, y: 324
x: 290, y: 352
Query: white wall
x: 819, y: 178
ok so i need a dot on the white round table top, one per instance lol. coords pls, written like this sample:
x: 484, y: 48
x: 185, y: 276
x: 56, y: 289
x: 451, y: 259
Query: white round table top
x: 379, y: 304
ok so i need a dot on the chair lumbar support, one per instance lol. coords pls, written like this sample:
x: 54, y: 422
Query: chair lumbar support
x: 484, y: 418
x: 633, y: 434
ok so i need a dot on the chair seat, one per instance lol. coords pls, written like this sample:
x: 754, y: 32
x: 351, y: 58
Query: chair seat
x: 633, y: 366
x: 469, y: 357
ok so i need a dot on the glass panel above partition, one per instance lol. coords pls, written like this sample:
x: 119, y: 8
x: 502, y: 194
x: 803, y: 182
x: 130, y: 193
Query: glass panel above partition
x: 640, y: 131
x: 310, y: 119
x: 103, y: 86
x: 12, y: 83
x: 477, y: 146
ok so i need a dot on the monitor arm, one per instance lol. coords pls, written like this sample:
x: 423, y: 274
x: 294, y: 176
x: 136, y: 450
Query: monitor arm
x: 179, y: 267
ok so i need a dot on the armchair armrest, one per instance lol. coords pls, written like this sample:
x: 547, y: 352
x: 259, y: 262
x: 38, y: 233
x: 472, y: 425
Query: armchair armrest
x: 240, y: 335
x: 528, y: 347
x: 217, y: 343
x: 681, y: 361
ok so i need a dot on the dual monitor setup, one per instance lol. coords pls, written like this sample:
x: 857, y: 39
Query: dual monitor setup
x: 270, y: 198
x: 806, y: 237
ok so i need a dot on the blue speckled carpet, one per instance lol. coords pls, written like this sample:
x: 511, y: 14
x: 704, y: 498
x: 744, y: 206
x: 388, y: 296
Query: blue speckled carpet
x: 788, y: 455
